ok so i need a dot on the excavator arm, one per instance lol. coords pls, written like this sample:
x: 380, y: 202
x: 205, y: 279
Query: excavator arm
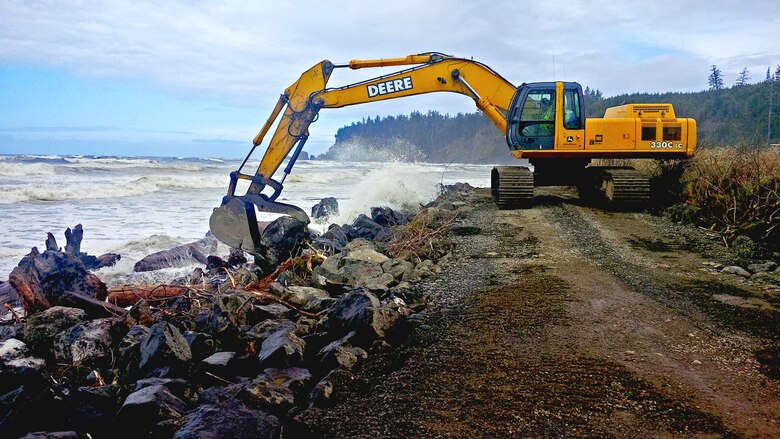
x: 235, y: 223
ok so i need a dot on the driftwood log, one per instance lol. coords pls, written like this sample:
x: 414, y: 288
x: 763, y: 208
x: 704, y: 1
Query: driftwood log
x: 54, y: 277
x: 129, y: 295
x: 179, y: 256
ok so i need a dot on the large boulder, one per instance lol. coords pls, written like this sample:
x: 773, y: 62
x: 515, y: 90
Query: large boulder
x: 364, y: 227
x: 129, y: 350
x: 281, y: 239
x: 11, y: 349
x: 164, y: 346
x: 230, y: 419
x: 360, y: 311
x: 326, y: 207
x: 281, y: 347
x: 92, y: 409
x: 87, y: 344
x: 334, y: 239
x: 41, y: 328
x: 145, y: 412
x: 307, y: 298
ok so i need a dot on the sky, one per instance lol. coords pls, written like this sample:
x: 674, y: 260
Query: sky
x: 199, y: 78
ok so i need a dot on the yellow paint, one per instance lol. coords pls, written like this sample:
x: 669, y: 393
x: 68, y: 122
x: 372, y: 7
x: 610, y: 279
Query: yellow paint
x: 619, y: 134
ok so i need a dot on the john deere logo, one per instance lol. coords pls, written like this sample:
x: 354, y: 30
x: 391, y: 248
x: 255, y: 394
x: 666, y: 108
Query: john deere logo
x: 392, y: 86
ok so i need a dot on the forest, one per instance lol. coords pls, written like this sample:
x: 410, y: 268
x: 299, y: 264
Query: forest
x: 741, y: 115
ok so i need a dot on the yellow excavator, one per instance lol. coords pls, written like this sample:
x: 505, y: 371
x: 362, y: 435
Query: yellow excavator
x: 543, y: 122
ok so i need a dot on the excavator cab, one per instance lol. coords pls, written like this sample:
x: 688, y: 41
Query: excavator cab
x: 536, y: 110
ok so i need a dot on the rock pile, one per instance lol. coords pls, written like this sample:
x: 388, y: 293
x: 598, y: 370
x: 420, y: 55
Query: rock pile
x: 237, y: 349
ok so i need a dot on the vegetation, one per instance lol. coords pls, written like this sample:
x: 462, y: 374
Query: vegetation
x: 734, y: 191
x: 431, y: 137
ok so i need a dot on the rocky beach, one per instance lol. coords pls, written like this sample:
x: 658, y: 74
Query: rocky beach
x: 451, y: 319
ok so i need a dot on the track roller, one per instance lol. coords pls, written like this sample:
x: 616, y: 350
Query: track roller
x: 622, y: 187
x: 512, y: 187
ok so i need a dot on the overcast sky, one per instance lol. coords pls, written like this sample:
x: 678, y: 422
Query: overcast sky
x: 198, y: 78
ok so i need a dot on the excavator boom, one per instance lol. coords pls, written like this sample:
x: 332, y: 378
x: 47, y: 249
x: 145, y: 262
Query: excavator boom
x: 235, y: 222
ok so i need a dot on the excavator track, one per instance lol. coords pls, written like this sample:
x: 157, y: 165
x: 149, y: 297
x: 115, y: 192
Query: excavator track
x: 622, y: 187
x: 512, y: 187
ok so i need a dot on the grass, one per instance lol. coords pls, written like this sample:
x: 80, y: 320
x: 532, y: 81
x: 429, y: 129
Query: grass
x: 734, y: 190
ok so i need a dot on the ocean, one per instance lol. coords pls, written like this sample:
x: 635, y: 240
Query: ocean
x: 135, y: 206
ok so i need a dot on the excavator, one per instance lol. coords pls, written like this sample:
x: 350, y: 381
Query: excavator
x: 542, y: 121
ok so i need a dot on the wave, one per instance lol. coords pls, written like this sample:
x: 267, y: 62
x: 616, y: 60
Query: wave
x: 84, y: 189
x: 26, y: 169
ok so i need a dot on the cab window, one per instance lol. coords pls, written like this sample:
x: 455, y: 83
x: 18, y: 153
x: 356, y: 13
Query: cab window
x: 571, y: 110
x: 539, y: 105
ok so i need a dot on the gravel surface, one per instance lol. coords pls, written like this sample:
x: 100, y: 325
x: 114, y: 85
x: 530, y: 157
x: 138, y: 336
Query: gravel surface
x: 564, y: 320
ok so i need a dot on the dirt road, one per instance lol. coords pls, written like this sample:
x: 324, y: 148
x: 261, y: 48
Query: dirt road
x: 564, y: 320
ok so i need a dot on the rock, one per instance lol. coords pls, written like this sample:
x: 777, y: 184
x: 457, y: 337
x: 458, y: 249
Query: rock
x: 218, y: 362
x: 364, y: 255
x: 281, y: 239
x: 164, y: 346
x: 307, y: 298
x: 201, y: 345
x: 761, y: 268
x: 11, y: 349
x: 274, y: 311
x: 92, y: 409
x: 397, y: 267
x: 179, y: 256
x: 763, y: 276
x: 384, y: 216
x: 296, y: 379
x: 179, y: 387
x: 230, y: 419
x: 281, y: 347
x: 733, y: 269
x: 714, y: 265
x: 262, y: 394
x: 361, y: 311
x: 325, y: 208
x: 87, y: 344
x: 333, y: 239
x: 10, y: 331
x: 22, y: 371
x: 363, y: 227
x: 41, y: 328
x: 144, y: 409
x: 130, y: 351
x: 341, y: 354
x: 54, y: 435
x: 323, y: 394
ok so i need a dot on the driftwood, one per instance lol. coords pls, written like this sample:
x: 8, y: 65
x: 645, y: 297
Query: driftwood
x: 197, y: 251
x: 42, y: 280
x: 7, y: 295
x: 129, y: 295
x: 95, y: 308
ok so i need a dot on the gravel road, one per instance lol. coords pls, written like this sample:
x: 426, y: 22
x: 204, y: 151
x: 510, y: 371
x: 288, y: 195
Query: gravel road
x: 564, y: 320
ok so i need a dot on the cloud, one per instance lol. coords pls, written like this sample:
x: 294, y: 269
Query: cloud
x: 249, y: 51
x: 246, y: 53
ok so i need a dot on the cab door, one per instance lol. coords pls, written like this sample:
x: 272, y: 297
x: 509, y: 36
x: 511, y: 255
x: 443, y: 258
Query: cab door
x: 532, y: 118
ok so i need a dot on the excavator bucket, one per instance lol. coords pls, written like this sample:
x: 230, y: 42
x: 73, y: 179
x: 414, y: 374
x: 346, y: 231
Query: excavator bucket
x: 235, y: 222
